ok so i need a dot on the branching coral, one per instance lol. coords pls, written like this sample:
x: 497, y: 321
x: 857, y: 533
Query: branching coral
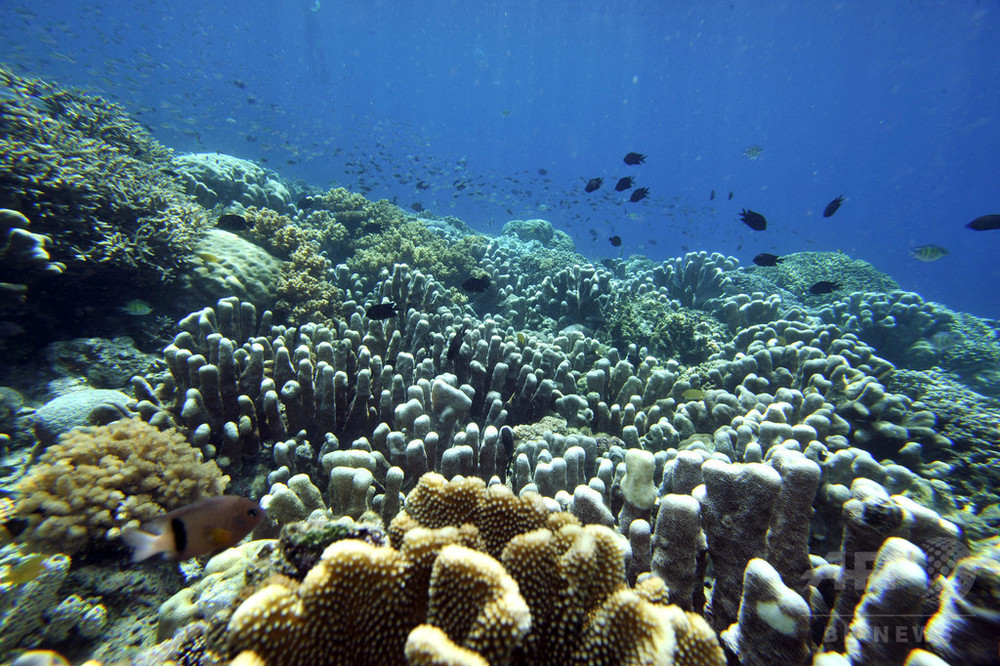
x: 304, y: 290
x: 450, y: 261
x: 92, y: 178
x: 98, y: 480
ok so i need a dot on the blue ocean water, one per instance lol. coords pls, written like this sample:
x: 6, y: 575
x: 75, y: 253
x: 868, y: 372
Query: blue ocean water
x: 500, y: 110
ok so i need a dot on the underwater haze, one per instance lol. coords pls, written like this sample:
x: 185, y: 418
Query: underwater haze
x: 493, y: 111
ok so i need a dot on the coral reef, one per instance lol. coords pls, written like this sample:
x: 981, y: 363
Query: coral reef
x: 98, y: 480
x: 58, y: 147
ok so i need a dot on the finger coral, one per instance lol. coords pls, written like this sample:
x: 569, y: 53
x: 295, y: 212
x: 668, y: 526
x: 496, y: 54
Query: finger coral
x: 98, y: 480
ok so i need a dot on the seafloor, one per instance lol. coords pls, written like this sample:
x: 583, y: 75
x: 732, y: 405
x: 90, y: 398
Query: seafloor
x: 555, y: 462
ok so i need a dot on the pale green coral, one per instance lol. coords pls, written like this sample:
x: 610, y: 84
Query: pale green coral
x: 411, y: 243
x: 304, y: 291
x: 797, y: 272
x: 684, y: 334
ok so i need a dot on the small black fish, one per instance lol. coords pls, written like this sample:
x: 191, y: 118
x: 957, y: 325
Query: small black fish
x: 423, y: 185
x: 623, y: 184
x: 417, y: 206
x: 382, y: 311
x: 823, y: 287
x: 616, y: 241
x: 985, y: 223
x: 455, y: 346
x: 232, y: 222
x: 755, y: 221
x: 371, y: 228
x: 711, y: 197
x: 730, y: 196
x: 765, y: 259
x: 639, y: 194
x: 593, y: 184
x: 305, y: 203
x: 543, y: 172
x: 240, y: 84
x: 634, y: 158
x: 832, y: 207
x: 477, y: 284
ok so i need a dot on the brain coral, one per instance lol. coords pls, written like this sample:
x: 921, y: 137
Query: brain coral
x: 98, y: 480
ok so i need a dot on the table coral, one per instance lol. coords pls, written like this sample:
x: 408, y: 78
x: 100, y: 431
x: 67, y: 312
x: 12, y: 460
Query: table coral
x: 98, y: 480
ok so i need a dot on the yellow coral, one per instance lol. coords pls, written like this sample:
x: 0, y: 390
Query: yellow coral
x: 429, y: 646
x: 386, y: 593
x: 414, y: 244
x: 304, y: 290
x: 98, y: 480
x: 498, y: 514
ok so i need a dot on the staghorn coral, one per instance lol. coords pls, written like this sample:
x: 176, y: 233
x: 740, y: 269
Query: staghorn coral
x: 57, y: 148
x: 98, y: 480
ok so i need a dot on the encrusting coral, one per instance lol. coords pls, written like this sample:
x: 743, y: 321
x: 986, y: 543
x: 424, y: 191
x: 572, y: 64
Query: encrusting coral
x: 98, y: 480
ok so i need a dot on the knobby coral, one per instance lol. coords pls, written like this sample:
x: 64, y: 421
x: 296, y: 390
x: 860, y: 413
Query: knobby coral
x: 98, y: 480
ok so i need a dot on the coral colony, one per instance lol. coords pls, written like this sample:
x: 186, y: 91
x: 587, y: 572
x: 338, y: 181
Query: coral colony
x: 469, y: 449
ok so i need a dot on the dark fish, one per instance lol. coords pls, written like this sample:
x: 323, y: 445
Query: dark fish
x: 928, y: 252
x: 639, y: 194
x: 832, y: 207
x: 477, y: 284
x: 985, y: 223
x: 765, y: 259
x: 755, y: 221
x: 634, y: 158
x: 232, y: 222
x: 240, y: 84
x: 593, y: 184
x: 623, y: 184
x: 711, y: 197
x: 207, y: 526
x: 417, y: 206
x: 616, y: 241
x: 543, y: 172
x: 305, y: 203
x: 381, y: 311
x: 730, y: 196
x: 823, y: 287
x: 456, y: 343
x: 423, y: 185
x: 371, y: 228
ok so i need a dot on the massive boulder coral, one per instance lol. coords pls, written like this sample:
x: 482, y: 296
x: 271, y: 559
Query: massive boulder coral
x: 216, y: 179
x: 98, y: 480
